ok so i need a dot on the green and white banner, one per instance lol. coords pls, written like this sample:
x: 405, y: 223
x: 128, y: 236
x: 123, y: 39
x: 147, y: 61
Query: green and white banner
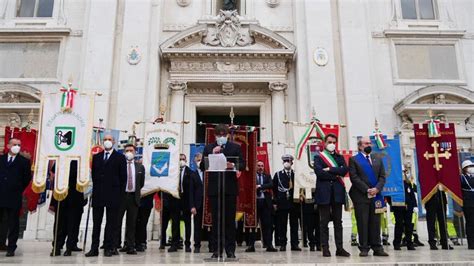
x: 64, y: 136
x: 306, y: 141
x: 161, y: 149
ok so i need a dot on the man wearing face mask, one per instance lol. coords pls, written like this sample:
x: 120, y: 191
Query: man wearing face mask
x: 186, y: 175
x: 197, y: 189
x: 467, y: 186
x: 285, y: 206
x: 330, y: 168
x: 130, y: 200
x: 15, y: 175
x: 109, y: 177
x: 228, y: 200
x: 264, y: 209
x: 367, y: 174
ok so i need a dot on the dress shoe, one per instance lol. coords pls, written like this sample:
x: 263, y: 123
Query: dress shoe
x: 311, y: 248
x: 342, y: 253
x: 318, y: 248
x: 131, y: 251
x: 162, y: 247
x: 433, y: 247
x: 67, y: 253
x: 397, y: 247
x: 172, y: 249
x: 380, y: 253
x: 108, y: 253
x: 140, y: 248
x: 447, y: 247
x: 57, y: 253
x: 187, y: 249
x: 115, y: 252
x: 197, y: 250
x: 411, y: 247
x: 92, y: 253
x: 10, y: 253
x: 215, y: 256
x: 385, y: 242
x: 231, y: 255
x: 124, y: 249
x: 271, y: 249
x: 250, y: 249
x: 295, y: 248
x: 326, y: 252
x: 3, y: 247
x: 418, y: 243
x: 76, y: 249
x: 364, y: 253
x: 305, y: 245
x: 282, y: 248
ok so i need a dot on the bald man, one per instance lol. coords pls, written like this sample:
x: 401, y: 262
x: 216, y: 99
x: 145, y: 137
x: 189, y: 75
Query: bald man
x: 109, y: 177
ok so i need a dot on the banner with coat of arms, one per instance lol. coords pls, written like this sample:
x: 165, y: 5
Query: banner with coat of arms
x: 161, y: 148
x: 307, y: 146
x: 64, y: 136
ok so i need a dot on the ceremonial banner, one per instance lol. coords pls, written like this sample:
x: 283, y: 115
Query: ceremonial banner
x: 391, y: 157
x: 161, y: 149
x: 437, y: 160
x: 64, y: 136
x: 194, y: 149
x: 247, y: 199
x: 307, y: 146
x: 262, y: 155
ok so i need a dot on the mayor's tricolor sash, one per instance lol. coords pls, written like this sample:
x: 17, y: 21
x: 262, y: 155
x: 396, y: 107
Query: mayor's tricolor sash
x: 367, y: 168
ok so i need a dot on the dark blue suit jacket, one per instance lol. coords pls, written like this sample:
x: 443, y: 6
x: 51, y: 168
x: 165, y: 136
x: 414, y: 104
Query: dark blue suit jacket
x: 197, y: 190
x: 327, y: 182
x: 109, y: 180
x: 14, y: 178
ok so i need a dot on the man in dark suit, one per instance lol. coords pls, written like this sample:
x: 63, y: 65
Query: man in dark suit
x: 264, y: 209
x: 311, y: 228
x: 144, y: 211
x: 170, y: 211
x: 109, y: 177
x: 68, y: 215
x: 130, y: 200
x: 285, y: 206
x: 367, y: 174
x: 197, y: 200
x: 330, y: 168
x: 228, y: 196
x: 186, y: 194
x: 436, y: 208
x: 15, y: 175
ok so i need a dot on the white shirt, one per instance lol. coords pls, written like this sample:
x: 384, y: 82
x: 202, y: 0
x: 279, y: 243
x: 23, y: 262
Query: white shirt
x: 12, y: 158
x: 132, y: 166
x: 200, y: 174
x: 181, y: 179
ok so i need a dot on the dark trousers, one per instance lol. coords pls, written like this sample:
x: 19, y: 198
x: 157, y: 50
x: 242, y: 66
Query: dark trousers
x: 368, y: 226
x: 3, y: 229
x: 129, y: 205
x: 68, y: 221
x: 186, y: 217
x: 327, y: 213
x: 311, y: 228
x: 171, y: 213
x: 13, y: 222
x: 110, y: 227
x: 469, y: 216
x: 225, y: 226
x: 264, y: 216
x: 403, y: 224
x: 197, y: 223
x: 282, y: 216
x: 436, y: 212
x: 140, y: 229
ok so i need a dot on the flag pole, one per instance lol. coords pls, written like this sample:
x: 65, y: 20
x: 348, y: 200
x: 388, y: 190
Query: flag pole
x: 56, y: 229
x: 87, y: 223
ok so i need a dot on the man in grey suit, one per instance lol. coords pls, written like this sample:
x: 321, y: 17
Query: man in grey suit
x: 367, y: 174
x: 130, y: 200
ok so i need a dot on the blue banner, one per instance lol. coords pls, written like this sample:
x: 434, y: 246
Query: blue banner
x: 392, y: 161
x: 195, y: 148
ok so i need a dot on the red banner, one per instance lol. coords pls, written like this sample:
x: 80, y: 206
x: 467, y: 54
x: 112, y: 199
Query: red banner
x: 246, y: 201
x: 28, y: 150
x: 330, y: 129
x: 262, y: 155
x: 437, y: 160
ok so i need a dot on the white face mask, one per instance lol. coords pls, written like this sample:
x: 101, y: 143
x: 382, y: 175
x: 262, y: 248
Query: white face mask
x: 470, y: 170
x: 108, y: 144
x: 182, y: 163
x: 287, y: 165
x: 15, y: 149
x: 129, y: 155
x: 221, y: 141
x: 331, y: 147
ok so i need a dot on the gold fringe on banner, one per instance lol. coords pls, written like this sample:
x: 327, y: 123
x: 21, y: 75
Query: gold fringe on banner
x: 60, y: 196
x: 38, y: 189
x: 82, y: 187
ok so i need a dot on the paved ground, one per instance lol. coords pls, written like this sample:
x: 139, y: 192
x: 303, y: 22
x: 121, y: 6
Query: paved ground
x: 37, y: 253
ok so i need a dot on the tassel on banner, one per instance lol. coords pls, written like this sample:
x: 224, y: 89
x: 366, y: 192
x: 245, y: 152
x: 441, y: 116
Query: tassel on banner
x: 60, y: 196
x: 38, y: 189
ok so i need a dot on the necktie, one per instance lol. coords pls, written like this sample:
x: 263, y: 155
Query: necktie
x: 368, y: 159
x: 106, y: 157
x: 129, y: 180
x: 181, y: 180
x: 10, y: 161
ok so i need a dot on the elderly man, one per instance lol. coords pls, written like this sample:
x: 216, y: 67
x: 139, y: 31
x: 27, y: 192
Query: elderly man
x: 367, y: 174
x: 109, y: 177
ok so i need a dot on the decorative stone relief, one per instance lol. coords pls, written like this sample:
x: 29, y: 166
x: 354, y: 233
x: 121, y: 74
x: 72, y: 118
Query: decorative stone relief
x: 228, y: 88
x: 227, y: 31
x: 134, y: 56
x: 277, y: 86
x: 183, y: 3
x: 234, y: 66
x: 177, y: 86
x: 273, y: 3
x: 235, y: 91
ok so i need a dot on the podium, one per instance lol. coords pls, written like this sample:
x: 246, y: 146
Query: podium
x: 222, y: 190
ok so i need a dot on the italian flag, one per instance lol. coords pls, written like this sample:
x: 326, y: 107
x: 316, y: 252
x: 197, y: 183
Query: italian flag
x: 380, y: 141
x: 433, y: 129
x: 303, y: 140
x: 67, y: 99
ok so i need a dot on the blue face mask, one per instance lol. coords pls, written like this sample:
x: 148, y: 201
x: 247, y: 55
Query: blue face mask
x: 221, y: 140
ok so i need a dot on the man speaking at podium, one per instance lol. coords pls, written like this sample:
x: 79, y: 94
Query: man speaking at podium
x: 228, y: 191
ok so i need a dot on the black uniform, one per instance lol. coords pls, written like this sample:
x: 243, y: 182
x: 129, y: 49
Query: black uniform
x: 70, y: 212
x: 403, y: 216
x: 186, y: 195
x: 283, y: 198
x: 311, y: 224
x: 228, y: 200
x: 144, y: 211
x: 264, y: 210
x: 436, y: 211
x: 467, y: 186
x: 197, y: 201
x: 170, y: 211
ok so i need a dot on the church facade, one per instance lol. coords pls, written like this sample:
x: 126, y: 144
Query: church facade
x: 269, y: 61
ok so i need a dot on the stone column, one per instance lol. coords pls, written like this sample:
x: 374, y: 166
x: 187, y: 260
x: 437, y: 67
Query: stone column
x: 178, y: 91
x: 278, y: 116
